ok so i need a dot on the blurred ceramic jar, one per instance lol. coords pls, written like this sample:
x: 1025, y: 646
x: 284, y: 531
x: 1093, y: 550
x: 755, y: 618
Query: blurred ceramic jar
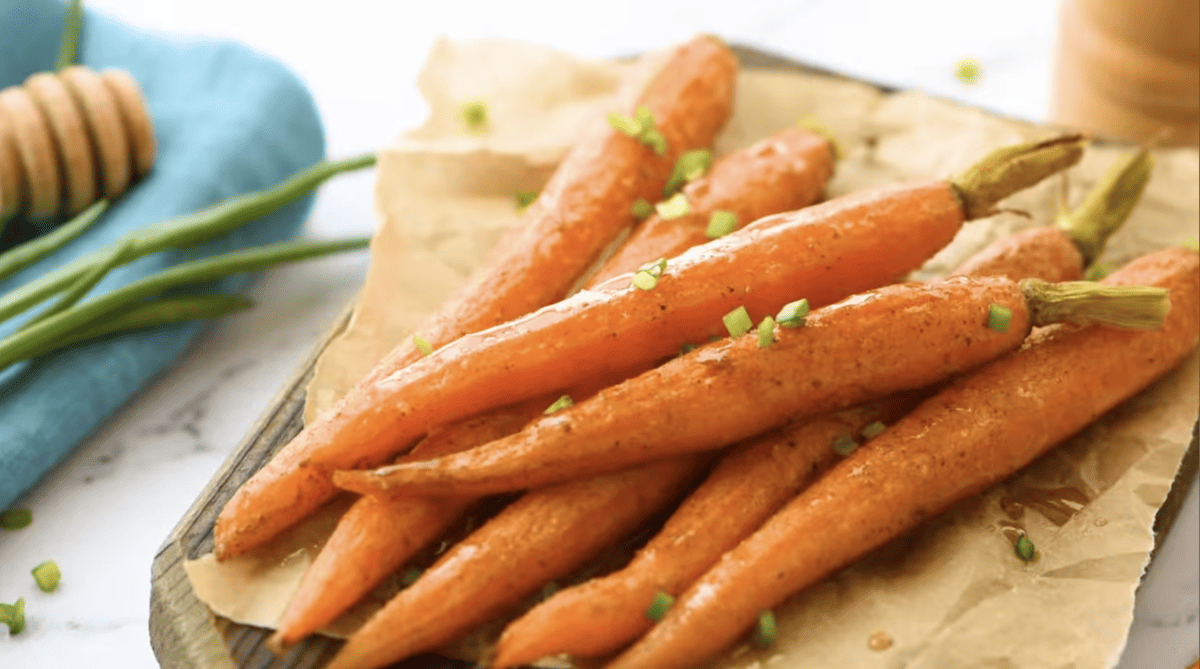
x: 1128, y: 69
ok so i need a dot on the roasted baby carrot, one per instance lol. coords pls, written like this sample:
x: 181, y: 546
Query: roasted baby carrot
x: 845, y: 355
x: 784, y: 172
x: 753, y: 481
x: 488, y: 572
x: 977, y: 431
x: 688, y: 92
x: 828, y: 251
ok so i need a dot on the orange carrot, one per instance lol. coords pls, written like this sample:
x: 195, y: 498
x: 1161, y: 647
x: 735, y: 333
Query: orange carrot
x: 979, y: 430
x: 488, y: 572
x: 831, y: 250
x: 783, y: 172
x: 378, y: 534
x: 847, y: 354
x: 689, y: 93
x: 749, y: 484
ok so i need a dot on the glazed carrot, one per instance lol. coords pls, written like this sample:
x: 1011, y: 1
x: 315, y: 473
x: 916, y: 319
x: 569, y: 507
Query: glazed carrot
x: 832, y: 250
x: 846, y: 355
x: 689, y: 93
x: 488, y: 572
x: 749, y: 484
x: 783, y: 172
x: 979, y: 430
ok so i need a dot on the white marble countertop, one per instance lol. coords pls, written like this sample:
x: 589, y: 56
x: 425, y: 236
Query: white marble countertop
x: 103, y: 513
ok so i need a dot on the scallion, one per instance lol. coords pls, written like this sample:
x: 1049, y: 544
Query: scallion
x: 1024, y: 548
x: 873, y: 430
x: 844, y: 445
x: 765, y: 630
x: 474, y: 115
x: 559, y: 404
x: 793, y: 314
x: 15, y: 519
x: 642, y: 209
x: 721, y: 223
x: 422, y: 345
x: 659, y: 606
x: 13, y: 615
x: 766, y: 332
x: 47, y: 575
x: 624, y: 125
x: 676, y: 206
x: 690, y: 166
x: 999, y: 317
x: 525, y: 198
x: 737, y: 322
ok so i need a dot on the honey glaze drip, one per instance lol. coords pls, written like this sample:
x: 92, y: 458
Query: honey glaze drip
x: 1058, y: 505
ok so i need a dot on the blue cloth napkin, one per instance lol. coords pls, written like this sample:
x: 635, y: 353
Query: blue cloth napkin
x: 227, y: 120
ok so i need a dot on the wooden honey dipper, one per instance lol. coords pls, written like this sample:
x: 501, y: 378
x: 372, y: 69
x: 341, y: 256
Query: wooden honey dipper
x: 68, y: 138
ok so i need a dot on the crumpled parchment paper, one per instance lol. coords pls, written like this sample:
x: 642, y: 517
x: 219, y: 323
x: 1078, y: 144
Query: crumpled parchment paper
x: 952, y: 594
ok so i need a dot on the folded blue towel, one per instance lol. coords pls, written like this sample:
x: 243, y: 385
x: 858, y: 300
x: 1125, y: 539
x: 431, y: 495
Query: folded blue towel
x: 227, y: 120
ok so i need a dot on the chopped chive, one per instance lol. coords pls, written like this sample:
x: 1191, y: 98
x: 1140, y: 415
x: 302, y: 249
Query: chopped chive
x: 999, y: 317
x: 642, y: 209
x: 410, y: 576
x: 47, y: 576
x: 559, y: 404
x: 1097, y: 271
x: 422, y: 345
x: 654, y: 139
x: 624, y: 125
x: 643, y: 117
x: 13, y: 615
x: 691, y: 166
x: 873, y: 430
x: 659, y: 607
x: 844, y: 445
x: 474, y: 115
x: 766, y: 332
x: 15, y: 519
x: 644, y: 280
x: 813, y: 124
x: 720, y: 224
x: 764, y: 630
x: 68, y: 47
x: 1192, y: 244
x: 525, y: 198
x: 968, y: 71
x: 687, y: 348
x: 674, y: 207
x: 1024, y: 548
x: 737, y: 322
x: 549, y: 589
x: 793, y: 314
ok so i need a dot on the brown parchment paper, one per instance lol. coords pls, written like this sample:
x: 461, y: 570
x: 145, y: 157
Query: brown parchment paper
x: 952, y: 594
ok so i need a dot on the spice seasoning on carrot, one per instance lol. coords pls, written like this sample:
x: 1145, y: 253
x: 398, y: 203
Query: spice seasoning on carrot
x: 951, y: 446
x: 847, y: 355
x: 689, y: 92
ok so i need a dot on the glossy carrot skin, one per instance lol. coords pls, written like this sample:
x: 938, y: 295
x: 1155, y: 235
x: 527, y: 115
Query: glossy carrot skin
x: 1045, y: 253
x: 979, y: 430
x: 784, y: 172
x: 747, y: 486
x: 587, y: 202
x: 845, y: 355
x: 490, y: 571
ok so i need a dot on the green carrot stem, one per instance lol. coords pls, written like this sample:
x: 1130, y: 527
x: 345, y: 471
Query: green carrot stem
x: 186, y: 230
x: 68, y: 47
x: 1010, y: 169
x: 162, y: 311
x: 20, y: 257
x: 117, y: 256
x: 19, y: 345
x: 1107, y: 205
x: 1088, y: 303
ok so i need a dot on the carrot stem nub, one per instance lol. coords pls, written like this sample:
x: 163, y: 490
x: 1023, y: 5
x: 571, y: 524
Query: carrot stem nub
x: 1087, y: 303
x: 1010, y: 169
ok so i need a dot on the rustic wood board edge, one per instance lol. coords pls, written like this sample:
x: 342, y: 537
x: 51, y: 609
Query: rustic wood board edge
x: 185, y: 634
